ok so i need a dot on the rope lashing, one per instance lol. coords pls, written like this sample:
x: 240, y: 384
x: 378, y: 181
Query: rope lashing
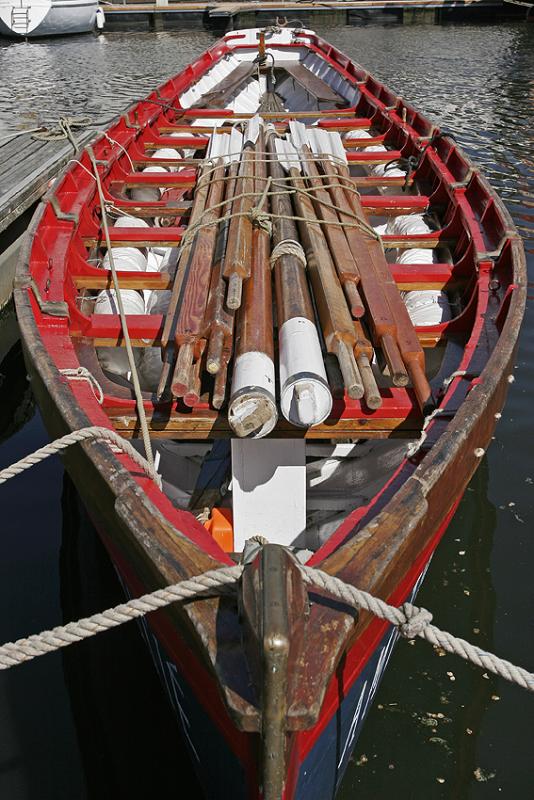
x: 95, y: 433
x: 63, y: 129
x: 416, y: 622
x: 260, y: 218
x: 83, y: 374
x: 288, y: 247
x: 124, y: 324
x: 408, y: 619
x: 416, y: 446
x: 263, y: 218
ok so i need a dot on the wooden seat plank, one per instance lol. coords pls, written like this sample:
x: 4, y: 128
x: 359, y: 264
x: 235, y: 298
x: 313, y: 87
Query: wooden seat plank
x: 229, y: 84
x: 312, y: 84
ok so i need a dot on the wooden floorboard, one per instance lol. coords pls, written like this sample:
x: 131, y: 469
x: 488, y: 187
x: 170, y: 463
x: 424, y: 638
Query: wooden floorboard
x: 26, y: 167
x: 13, y: 150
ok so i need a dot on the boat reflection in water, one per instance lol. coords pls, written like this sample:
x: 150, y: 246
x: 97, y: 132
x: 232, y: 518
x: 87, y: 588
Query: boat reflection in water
x: 127, y: 733
x: 17, y: 405
x: 432, y: 709
x: 128, y: 738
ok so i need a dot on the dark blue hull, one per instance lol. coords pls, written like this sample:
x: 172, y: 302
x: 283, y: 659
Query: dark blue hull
x: 219, y: 769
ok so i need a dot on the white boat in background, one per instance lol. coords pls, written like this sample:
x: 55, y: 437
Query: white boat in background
x: 30, y: 18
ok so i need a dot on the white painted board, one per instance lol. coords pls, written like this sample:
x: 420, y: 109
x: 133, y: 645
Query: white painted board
x: 268, y: 489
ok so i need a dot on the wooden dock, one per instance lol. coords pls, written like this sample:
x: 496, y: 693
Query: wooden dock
x: 162, y: 15
x: 27, y: 165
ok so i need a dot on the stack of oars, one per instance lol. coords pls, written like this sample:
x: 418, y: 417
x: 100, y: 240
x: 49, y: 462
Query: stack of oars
x: 387, y: 315
x: 222, y: 305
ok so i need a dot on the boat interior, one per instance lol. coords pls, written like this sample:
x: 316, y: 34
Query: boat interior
x: 353, y: 161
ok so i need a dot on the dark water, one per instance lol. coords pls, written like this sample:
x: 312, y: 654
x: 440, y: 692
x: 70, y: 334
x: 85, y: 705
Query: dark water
x: 93, y: 723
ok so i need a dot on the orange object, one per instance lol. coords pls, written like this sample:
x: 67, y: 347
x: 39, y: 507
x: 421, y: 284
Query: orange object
x: 220, y: 526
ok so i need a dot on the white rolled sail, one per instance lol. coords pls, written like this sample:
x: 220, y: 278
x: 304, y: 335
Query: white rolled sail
x: 305, y: 397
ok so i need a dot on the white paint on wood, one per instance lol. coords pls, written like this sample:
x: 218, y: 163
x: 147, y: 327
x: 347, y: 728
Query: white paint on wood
x: 268, y: 489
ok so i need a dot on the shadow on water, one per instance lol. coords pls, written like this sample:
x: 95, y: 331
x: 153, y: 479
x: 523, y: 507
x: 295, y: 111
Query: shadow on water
x: 17, y: 405
x: 431, y: 705
x: 129, y: 741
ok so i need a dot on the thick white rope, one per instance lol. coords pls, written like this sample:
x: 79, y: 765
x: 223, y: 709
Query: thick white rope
x: 288, y: 247
x: 410, y: 620
x: 96, y: 433
x: 83, y: 374
x: 18, y: 652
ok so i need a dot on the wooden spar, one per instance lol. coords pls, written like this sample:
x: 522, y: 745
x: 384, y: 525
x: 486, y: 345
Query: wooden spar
x: 219, y: 320
x: 167, y: 337
x: 342, y: 256
x: 252, y: 409
x: 407, y: 341
x: 381, y: 318
x: 237, y: 264
x: 334, y: 315
x: 222, y: 318
x: 294, y: 303
x: 189, y: 325
x: 363, y: 351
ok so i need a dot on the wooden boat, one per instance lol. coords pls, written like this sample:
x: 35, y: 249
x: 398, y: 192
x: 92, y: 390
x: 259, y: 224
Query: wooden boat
x: 363, y: 489
x: 27, y: 19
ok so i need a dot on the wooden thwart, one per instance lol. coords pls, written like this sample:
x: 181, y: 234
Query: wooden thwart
x: 203, y: 427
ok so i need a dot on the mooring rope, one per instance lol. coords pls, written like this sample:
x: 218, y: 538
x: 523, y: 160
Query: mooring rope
x: 122, y: 314
x: 410, y: 620
x: 94, y: 432
x: 63, y: 130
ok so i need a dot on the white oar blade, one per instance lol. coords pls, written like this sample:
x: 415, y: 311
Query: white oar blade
x: 297, y: 133
x: 236, y: 145
x: 219, y: 146
x: 287, y: 155
x: 252, y: 131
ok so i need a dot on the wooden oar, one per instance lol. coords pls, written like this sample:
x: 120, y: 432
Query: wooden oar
x: 252, y: 408
x: 381, y: 319
x: 219, y: 319
x: 334, y: 315
x: 363, y: 350
x: 189, y: 325
x: 167, y: 338
x: 237, y: 264
x: 305, y: 396
x: 346, y: 266
x: 373, y: 260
